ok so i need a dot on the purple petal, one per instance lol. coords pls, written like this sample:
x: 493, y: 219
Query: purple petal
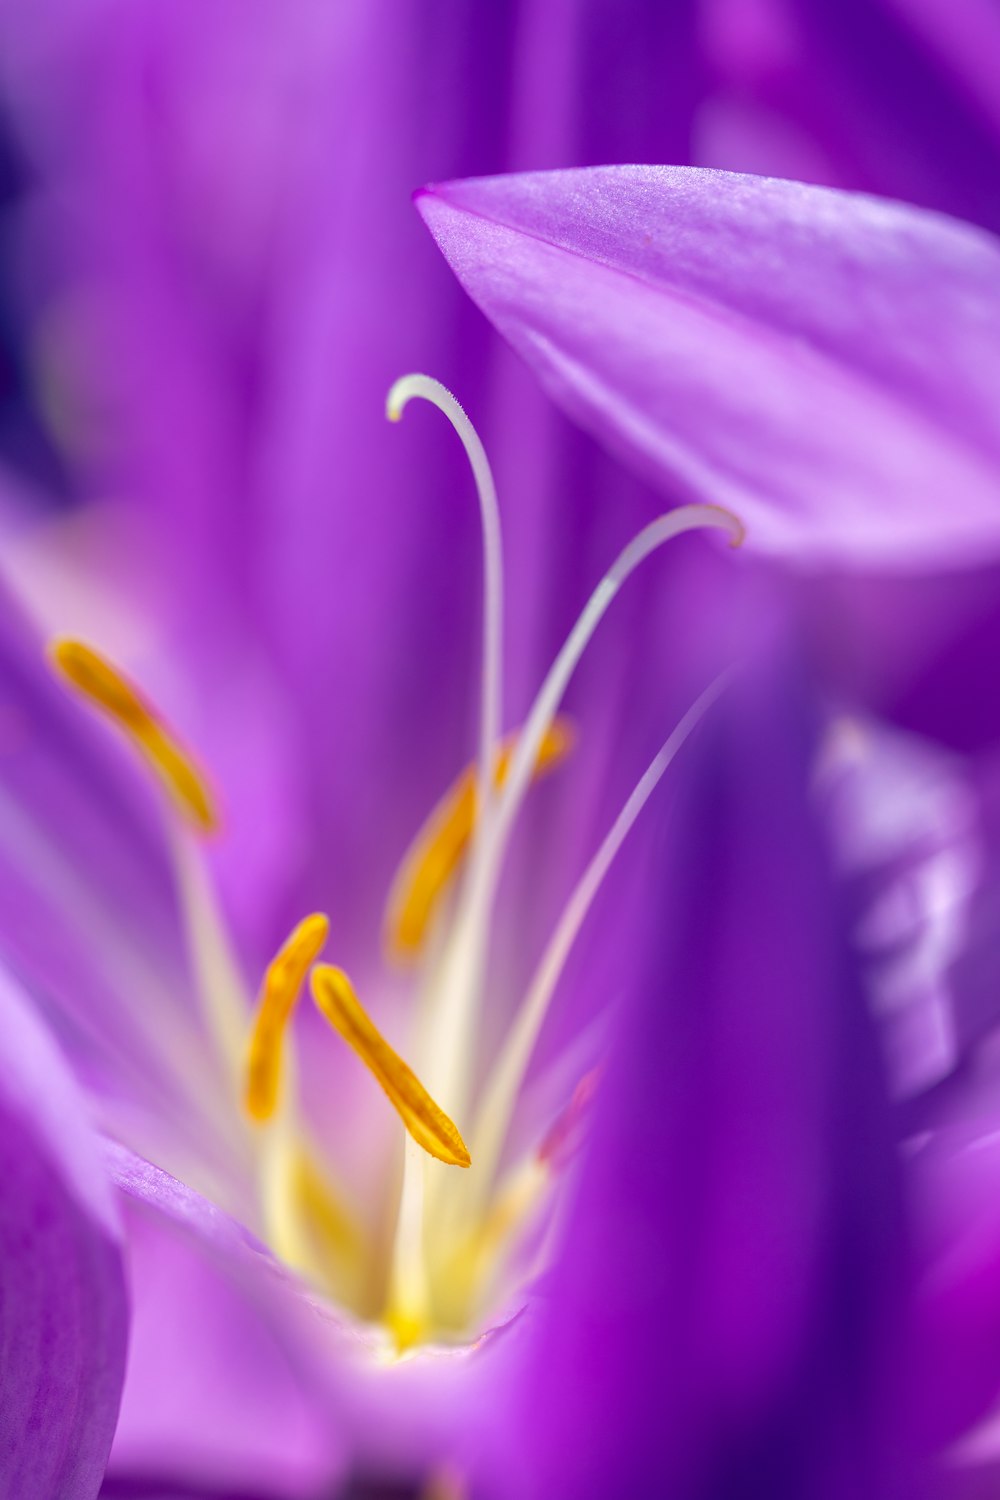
x: 821, y: 363
x: 88, y: 909
x: 955, y: 1181
x: 193, y: 1216
x: 905, y: 825
x: 225, y: 1382
x: 63, y: 1313
x: 959, y: 931
x: 723, y: 1310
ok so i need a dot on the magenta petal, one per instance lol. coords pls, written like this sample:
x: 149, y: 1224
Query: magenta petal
x: 956, y: 1176
x: 823, y: 363
x: 63, y: 1312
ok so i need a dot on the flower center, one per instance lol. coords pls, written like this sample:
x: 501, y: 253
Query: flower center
x: 462, y: 1240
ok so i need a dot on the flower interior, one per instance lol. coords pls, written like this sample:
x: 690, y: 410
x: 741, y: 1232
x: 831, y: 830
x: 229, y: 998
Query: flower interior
x: 467, y: 1225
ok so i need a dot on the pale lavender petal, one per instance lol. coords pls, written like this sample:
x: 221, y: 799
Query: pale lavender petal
x: 936, y: 895
x: 63, y: 1311
x: 225, y: 1382
x: 88, y: 906
x: 905, y: 823
x: 822, y: 363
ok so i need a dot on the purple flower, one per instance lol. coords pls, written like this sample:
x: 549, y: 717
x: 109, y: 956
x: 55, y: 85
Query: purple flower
x: 733, y: 1180
x: 223, y: 287
x: 709, y: 1252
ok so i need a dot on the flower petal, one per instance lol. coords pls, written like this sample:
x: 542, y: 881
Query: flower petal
x: 88, y: 908
x: 820, y: 362
x: 905, y: 827
x: 955, y: 1177
x: 726, y: 1299
x: 63, y: 1312
x: 225, y: 1378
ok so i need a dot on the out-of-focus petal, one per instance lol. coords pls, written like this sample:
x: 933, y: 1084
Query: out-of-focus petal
x: 224, y: 1383
x: 821, y: 363
x: 88, y: 910
x: 913, y: 650
x: 955, y: 1189
x: 63, y: 1309
x: 724, y: 1314
x: 888, y: 96
x: 905, y: 823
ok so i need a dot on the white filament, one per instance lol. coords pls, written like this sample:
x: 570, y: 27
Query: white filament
x: 424, y: 388
x: 460, y: 987
x: 224, y: 1000
x: 550, y: 695
x: 508, y: 1075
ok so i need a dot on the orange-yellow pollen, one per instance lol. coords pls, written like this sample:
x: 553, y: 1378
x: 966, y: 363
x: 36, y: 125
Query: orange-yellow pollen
x: 427, y: 1123
x: 437, y: 850
x: 94, y: 677
x: 283, y: 981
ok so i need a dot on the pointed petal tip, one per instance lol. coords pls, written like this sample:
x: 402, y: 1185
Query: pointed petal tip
x: 794, y: 353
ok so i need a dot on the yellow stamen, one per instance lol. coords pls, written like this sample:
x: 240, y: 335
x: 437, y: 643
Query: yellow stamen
x: 95, y: 678
x: 428, y: 1124
x: 322, y: 1211
x: 406, y: 1329
x: 285, y: 976
x: 464, y: 1272
x: 438, y: 848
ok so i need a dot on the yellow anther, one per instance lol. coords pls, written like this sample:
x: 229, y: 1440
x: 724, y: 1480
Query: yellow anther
x: 427, y: 1123
x: 285, y: 976
x: 437, y: 850
x: 96, y: 679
